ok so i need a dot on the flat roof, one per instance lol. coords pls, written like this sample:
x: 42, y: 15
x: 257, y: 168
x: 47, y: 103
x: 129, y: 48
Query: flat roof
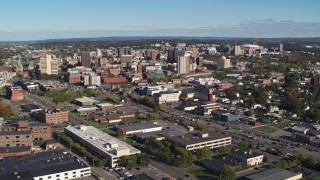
x: 162, y: 133
x: 105, y: 105
x: 14, y: 149
x: 100, y: 140
x: 39, y: 164
x: 85, y: 99
x: 244, y: 154
x: 272, y: 174
x: 194, y: 138
x: 137, y: 126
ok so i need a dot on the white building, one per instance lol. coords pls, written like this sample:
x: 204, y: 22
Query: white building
x: 102, y: 144
x: 49, y: 64
x: 151, y: 90
x: 223, y: 63
x: 138, y: 128
x: 167, y: 96
x: 248, y: 158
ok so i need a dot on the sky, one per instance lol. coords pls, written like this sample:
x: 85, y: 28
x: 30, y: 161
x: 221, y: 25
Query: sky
x: 54, y: 19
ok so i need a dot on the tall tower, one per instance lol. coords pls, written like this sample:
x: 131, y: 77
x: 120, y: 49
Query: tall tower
x: 85, y: 59
x: 183, y: 65
x: 280, y: 47
x: 223, y: 63
x: 48, y: 65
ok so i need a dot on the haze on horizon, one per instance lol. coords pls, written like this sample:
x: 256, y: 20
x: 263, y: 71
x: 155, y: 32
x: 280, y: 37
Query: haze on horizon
x: 38, y: 20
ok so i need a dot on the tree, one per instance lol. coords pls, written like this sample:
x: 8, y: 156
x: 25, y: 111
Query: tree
x: 227, y: 173
x: 203, y: 153
x: 143, y: 159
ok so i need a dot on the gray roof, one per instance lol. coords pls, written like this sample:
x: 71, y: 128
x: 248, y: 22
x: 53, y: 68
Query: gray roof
x: 137, y: 126
x: 39, y: 164
x: 14, y: 149
x: 244, y: 154
x: 272, y: 174
x: 193, y: 138
x: 14, y: 132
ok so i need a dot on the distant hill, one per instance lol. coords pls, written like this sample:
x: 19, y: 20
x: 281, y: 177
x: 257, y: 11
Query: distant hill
x: 128, y: 38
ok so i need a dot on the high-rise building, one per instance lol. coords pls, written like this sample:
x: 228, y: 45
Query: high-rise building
x: 237, y: 50
x: 280, y: 47
x: 179, y: 52
x: 99, y: 53
x: 183, y: 65
x: 170, y: 54
x: 48, y: 64
x: 126, y: 59
x: 199, y: 61
x: 223, y: 63
x: 154, y: 55
x: 85, y: 59
x: 123, y: 51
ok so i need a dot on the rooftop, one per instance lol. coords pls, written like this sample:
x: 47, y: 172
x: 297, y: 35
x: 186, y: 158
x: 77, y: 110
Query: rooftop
x: 137, y: 126
x: 244, y: 154
x: 195, y: 137
x: 272, y: 174
x: 39, y: 164
x: 85, y: 99
x: 101, y: 140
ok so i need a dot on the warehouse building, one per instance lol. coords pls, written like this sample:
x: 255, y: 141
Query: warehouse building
x: 100, y: 143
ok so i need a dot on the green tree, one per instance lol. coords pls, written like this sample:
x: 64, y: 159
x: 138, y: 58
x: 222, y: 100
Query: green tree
x: 203, y: 153
x: 227, y: 173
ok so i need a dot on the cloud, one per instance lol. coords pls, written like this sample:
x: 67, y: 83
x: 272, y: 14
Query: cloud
x: 259, y: 28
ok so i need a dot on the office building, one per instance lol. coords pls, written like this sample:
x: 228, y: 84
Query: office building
x: 223, y: 63
x: 49, y: 165
x: 274, y: 173
x: 247, y: 158
x: 280, y: 47
x: 99, y: 53
x: 85, y: 59
x: 137, y: 128
x: 237, y: 50
x: 199, y: 61
x: 197, y: 140
x: 154, y: 55
x: 102, y: 144
x: 123, y: 51
x: 170, y: 55
x: 183, y: 65
x: 167, y: 97
x: 125, y: 59
x: 49, y: 65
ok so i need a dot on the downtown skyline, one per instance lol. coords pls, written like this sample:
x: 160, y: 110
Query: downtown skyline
x: 39, y: 20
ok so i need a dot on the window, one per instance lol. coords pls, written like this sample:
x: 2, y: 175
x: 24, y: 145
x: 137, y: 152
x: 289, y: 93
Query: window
x: 74, y: 176
x: 49, y: 177
x: 17, y: 137
x: 65, y: 174
x: 74, y: 172
x: 57, y: 175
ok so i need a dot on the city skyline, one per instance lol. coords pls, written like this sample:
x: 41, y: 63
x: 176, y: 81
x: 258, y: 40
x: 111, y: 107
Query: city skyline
x: 38, y: 20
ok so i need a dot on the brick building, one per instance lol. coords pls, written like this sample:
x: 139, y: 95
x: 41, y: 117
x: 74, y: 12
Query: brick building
x: 53, y: 117
x: 15, y: 93
x: 18, y: 139
x: 114, y: 79
x: 74, y: 79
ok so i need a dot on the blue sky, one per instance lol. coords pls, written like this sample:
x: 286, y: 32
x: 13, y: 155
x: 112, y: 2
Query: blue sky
x: 47, y: 19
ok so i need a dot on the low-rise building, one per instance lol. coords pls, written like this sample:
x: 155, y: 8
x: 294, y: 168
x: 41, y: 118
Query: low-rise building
x: 23, y: 134
x: 15, y: 93
x: 85, y: 101
x: 247, y: 158
x: 137, y: 128
x: 110, y: 118
x: 197, y: 140
x: 274, y: 173
x: 207, y: 109
x: 86, y: 110
x: 53, y: 117
x: 55, y: 164
x: 105, y: 106
x: 167, y: 97
x: 228, y: 117
x: 101, y: 144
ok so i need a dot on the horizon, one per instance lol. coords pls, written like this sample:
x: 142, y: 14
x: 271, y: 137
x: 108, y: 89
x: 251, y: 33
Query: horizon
x: 37, y: 20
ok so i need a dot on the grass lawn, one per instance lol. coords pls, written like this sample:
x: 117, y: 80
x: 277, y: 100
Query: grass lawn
x: 204, y: 174
x: 268, y: 130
